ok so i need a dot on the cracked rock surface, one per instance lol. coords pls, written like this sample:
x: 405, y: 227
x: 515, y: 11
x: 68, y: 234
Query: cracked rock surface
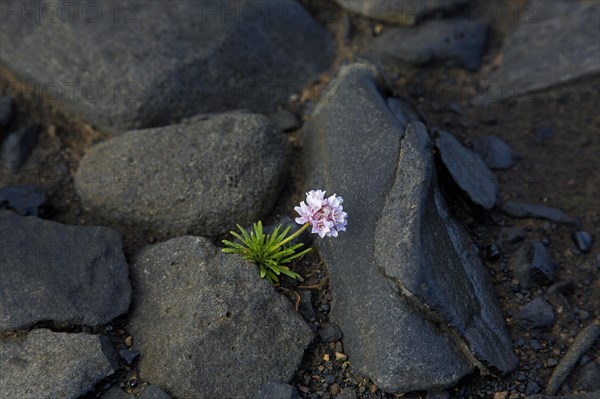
x: 410, y: 294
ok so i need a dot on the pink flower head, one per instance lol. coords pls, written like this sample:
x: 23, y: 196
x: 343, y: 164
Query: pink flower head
x: 325, y: 215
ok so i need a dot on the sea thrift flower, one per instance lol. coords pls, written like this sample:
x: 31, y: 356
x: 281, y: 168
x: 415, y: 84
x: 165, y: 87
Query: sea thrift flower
x: 272, y: 252
x: 324, y: 215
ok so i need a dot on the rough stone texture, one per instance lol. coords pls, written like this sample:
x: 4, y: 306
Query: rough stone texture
x: 555, y: 44
x: 64, y: 274
x: 202, y: 176
x: 207, y: 325
x: 48, y: 365
x: 523, y: 210
x: 402, y: 12
x: 589, y: 377
x: 275, y: 390
x: 587, y: 395
x: 468, y: 170
x: 150, y: 63
x: 25, y: 199
x: 391, y: 333
x: 455, y: 42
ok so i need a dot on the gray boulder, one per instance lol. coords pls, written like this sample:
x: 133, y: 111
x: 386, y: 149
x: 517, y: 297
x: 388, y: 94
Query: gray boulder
x: 145, y: 392
x: 556, y: 42
x: 64, y: 274
x: 455, y: 42
x: 142, y: 64
x: 202, y: 176
x: 389, y: 273
x: 402, y: 12
x: 47, y: 365
x: 207, y: 325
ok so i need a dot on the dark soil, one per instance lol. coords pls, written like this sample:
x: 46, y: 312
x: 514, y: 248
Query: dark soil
x: 561, y: 171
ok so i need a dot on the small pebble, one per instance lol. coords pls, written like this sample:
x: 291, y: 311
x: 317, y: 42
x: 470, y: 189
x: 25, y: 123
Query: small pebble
x: 340, y: 357
x: 129, y: 341
x: 583, y: 240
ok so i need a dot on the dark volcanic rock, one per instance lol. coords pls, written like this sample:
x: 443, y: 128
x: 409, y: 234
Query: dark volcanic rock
x: 458, y: 42
x: 202, y: 176
x: 145, y: 392
x: 6, y: 111
x: 48, y: 365
x: 582, y: 343
x: 128, y: 355
x: 25, y: 199
x: 207, y: 325
x: 588, y: 395
x: 537, y: 313
x: 64, y: 274
x: 285, y: 120
x: 330, y: 333
x: 524, y: 210
x: 275, y: 390
x: 544, y: 52
x: 468, y: 170
x: 403, y: 12
x: 153, y: 62
x: 589, y: 377
x: 17, y: 146
x: 495, y: 152
x: 389, y: 275
x: 583, y: 239
x: 534, y: 265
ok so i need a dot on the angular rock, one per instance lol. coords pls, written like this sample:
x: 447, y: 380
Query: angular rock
x: 58, y: 273
x: 468, y: 170
x: 495, y: 152
x: 6, y: 111
x: 524, y: 210
x: 583, y: 239
x: 537, y: 313
x: 46, y: 365
x: 539, y: 54
x: 589, y: 377
x: 128, y: 355
x: 582, y: 343
x: 534, y: 265
x: 202, y: 176
x: 330, y: 333
x: 455, y: 42
x: 17, y: 146
x: 275, y: 390
x: 402, y: 12
x: 153, y: 62
x: 207, y: 325
x: 25, y: 199
x: 389, y: 275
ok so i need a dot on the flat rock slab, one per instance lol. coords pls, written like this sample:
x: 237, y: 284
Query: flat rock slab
x: 455, y: 42
x: 133, y: 65
x: 524, y: 210
x: 201, y: 176
x: 47, y: 365
x: 207, y: 325
x: 58, y: 273
x: 402, y: 12
x: 555, y: 43
x: 468, y: 170
x: 389, y: 273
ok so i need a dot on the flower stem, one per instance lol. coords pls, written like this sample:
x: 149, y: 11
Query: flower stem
x: 296, y: 234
